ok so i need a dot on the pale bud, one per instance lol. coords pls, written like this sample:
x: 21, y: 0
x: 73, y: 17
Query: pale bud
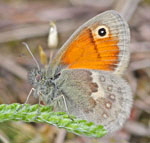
x: 53, y: 36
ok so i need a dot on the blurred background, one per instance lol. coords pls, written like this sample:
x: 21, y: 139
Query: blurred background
x: 28, y: 21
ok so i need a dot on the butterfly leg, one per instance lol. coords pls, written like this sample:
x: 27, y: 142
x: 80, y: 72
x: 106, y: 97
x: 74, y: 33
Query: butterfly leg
x: 65, y: 103
x: 57, y: 99
x: 61, y: 93
x: 32, y: 89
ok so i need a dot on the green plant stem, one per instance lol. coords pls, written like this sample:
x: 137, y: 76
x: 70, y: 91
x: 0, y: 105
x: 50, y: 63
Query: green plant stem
x: 44, y: 114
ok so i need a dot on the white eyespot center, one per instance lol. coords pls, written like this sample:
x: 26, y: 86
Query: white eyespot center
x: 105, y: 115
x: 108, y: 105
x: 112, y: 97
x: 102, y: 78
x: 110, y: 87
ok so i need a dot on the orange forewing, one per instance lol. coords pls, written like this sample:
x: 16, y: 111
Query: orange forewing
x: 88, y: 52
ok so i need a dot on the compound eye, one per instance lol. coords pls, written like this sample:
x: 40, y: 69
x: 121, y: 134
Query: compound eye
x: 102, y: 31
x: 38, y: 77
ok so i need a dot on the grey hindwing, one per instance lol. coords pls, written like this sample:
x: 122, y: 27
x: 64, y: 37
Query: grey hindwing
x: 97, y: 96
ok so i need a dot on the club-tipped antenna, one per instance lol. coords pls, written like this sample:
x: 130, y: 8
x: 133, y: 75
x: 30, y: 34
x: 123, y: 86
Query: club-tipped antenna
x: 26, y: 45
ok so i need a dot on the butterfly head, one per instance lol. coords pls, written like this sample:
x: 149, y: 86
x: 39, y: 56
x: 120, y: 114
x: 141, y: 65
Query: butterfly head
x: 44, y: 85
x: 38, y: 79
x: 35, y: 76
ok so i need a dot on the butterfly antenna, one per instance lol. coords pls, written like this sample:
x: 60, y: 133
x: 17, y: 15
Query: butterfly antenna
x: 26, y: 45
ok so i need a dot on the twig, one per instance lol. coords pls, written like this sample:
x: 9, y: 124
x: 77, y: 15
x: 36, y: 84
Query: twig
x: 11, y: 66
x: 61, y: 136
x: 100, y: 4
x: 126, y: 7
x: 23, y: 32
x: 142, y: 105
x: 140, y: 47
x: 137, y: 128
x: 3, y: 138
x: 139, y: 64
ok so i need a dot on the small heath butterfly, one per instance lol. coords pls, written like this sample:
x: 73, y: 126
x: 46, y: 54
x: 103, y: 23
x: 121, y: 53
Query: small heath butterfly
x: 84, y: 78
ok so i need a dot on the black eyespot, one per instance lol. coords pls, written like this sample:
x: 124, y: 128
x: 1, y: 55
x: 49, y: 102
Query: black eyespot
x: 102, y: 32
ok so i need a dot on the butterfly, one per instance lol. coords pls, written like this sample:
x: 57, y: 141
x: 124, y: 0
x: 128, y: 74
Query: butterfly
x: 84, y: 79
